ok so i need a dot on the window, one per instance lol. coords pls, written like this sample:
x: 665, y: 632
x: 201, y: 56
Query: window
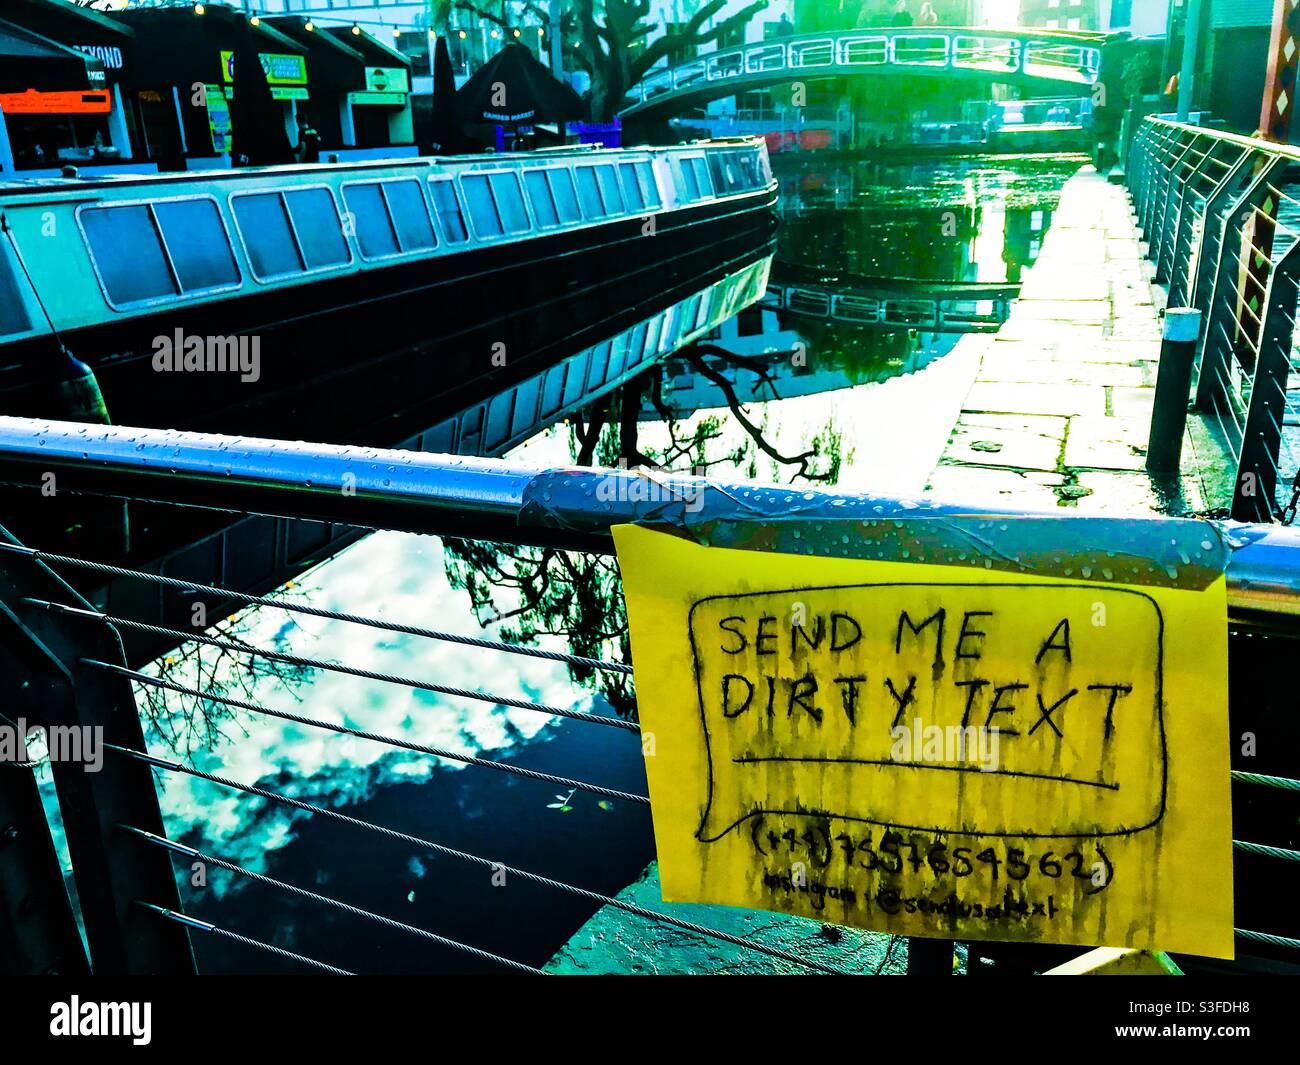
x: 539, y: 195
x: 607, y: 178
x: 1073, y: 23
x: 389, y: 218
x: 318, y: 227
x: 649, y: 187
x: 290, y: 232
x: 496, y: 203
x: 588, y: 192
x: 688, y: 186
x: 370, y: 221
x: 702, y: 176
x: 478, y: 197
x: 196, y: 240
x: 410, y: 215
x: 13, y: 317
x: 447, y: 207
x: 566, y: 197
x: 632, y: 193
x: 510, y: 202
x: 157, y: 251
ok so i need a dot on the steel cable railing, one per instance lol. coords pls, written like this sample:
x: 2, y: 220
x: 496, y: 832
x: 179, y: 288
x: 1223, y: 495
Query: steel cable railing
x: 452, y: 852
x: 325, y: 900
x: 318, y: 612
x: 390, y: 741
x: 195, y: 924
x: 333, y: 667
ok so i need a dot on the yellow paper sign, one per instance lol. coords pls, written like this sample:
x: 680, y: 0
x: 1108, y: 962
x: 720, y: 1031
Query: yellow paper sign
x: 935, y: 751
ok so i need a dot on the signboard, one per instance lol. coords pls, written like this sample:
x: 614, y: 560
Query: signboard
x: 935, y: 750
x: 384, y: 99
x: 218, y: 119
x: 387, y: 79
x: 281, y: 69
x: 31, y: 102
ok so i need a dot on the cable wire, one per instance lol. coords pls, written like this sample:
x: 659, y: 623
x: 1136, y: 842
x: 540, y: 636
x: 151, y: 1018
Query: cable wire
x: 356, y: 911
x: 333, y: 667
x: 419, y: 748
x: 257, y: 944
x: 318, y: 612
x: 451, y: 852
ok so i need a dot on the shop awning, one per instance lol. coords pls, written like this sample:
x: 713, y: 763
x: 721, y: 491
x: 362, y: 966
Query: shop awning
x: 30, y: 61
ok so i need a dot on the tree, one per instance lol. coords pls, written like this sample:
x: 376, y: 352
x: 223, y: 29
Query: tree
x: 608, y: 38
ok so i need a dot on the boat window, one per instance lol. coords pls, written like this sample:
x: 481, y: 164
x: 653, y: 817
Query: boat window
x: 410, y: 215
x: 268, y: 236
x: 13, y: 316
x: 688, y: 179
x: 448, y: 208
x: 588, y: 193
x: 649, y: 188
x: 128, y: 253
x: 609, y: 191
x: 631, y: 188
x: 482, y: 209
x: 750, y: 171
x: 197, y: 243
x: 319, y: 228
x: 539, y: 194
x: 370, y: 221
x: 599, y: 363
x: 566, y: 197
x: 510, y: 202
x: 702, y: 176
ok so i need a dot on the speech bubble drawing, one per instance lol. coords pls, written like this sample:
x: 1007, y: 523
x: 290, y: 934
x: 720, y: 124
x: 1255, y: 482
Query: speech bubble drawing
x: 801, y: 691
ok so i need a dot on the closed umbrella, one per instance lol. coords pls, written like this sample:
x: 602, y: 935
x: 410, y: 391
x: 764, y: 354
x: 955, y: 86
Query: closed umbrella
x: 256, y: 120
x: 513, y: 88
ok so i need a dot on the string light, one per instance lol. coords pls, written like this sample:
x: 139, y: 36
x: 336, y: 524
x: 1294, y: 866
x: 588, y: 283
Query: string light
x: 356, y: 30
x: 310, y: 27
x: 199, y: 9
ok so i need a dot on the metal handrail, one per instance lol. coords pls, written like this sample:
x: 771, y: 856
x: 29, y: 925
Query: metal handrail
x: 1207, y: 204
x: 490, y: 499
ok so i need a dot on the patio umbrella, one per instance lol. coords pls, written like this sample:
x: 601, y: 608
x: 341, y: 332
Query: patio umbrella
x: 513, y: 88
x: 256, y: 120
x: 446, y: 129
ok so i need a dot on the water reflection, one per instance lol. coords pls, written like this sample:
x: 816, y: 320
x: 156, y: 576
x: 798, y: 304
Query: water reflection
x: 769, y: 393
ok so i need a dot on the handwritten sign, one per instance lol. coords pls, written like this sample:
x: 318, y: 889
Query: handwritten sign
x: 935, y: 751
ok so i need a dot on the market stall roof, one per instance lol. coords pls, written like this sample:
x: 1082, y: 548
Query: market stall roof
x: 531, y: 92
x: 176, y: 46
x: 30, y: 61
x: 82, y: 18
x: 328, y: 57
x: 375, y: 51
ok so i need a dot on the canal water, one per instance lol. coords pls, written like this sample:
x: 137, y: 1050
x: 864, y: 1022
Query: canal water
x: 822, y: 401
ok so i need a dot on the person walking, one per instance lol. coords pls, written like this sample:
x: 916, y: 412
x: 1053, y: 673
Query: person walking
x: 927, y: 16
x: 901, y: 16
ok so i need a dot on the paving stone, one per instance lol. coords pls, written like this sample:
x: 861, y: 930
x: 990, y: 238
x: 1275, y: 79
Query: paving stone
x: 1004, y: 365
x: 1017, y: 490
x: 1113, y: 492
x: 1011, y: 398
x: 1071, y: 311
x: 1030, y: 442
x: 1107, y: 443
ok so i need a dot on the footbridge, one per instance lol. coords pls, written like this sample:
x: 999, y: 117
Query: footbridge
x: 1053, y: 60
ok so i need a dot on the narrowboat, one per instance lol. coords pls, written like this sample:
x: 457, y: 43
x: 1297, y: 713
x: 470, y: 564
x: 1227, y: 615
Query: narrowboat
x: 318, y: 300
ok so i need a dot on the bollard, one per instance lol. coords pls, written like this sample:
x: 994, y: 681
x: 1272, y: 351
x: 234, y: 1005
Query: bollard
x: 1173, y: 386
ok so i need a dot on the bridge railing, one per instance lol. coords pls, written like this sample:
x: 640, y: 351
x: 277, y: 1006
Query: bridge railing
x: 1058, y: 56
x: 64, y: 651
x: 1222, y: 226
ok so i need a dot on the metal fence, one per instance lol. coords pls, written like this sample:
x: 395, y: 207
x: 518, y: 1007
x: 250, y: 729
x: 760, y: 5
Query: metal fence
x: 62, y: 664
x: 1213, y: 209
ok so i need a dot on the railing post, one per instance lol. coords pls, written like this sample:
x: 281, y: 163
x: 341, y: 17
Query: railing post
x: 41, y: 670
x: 1216, y: 347
x: 1179, y: 290
x: 1217, y: 205
x: 38, y: 933
x: 1173, y: 385
x: 1255, y: 495
x: 1173, y: 186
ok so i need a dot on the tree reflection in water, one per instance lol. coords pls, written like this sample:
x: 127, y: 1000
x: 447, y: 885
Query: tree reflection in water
x: 534, y: 592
